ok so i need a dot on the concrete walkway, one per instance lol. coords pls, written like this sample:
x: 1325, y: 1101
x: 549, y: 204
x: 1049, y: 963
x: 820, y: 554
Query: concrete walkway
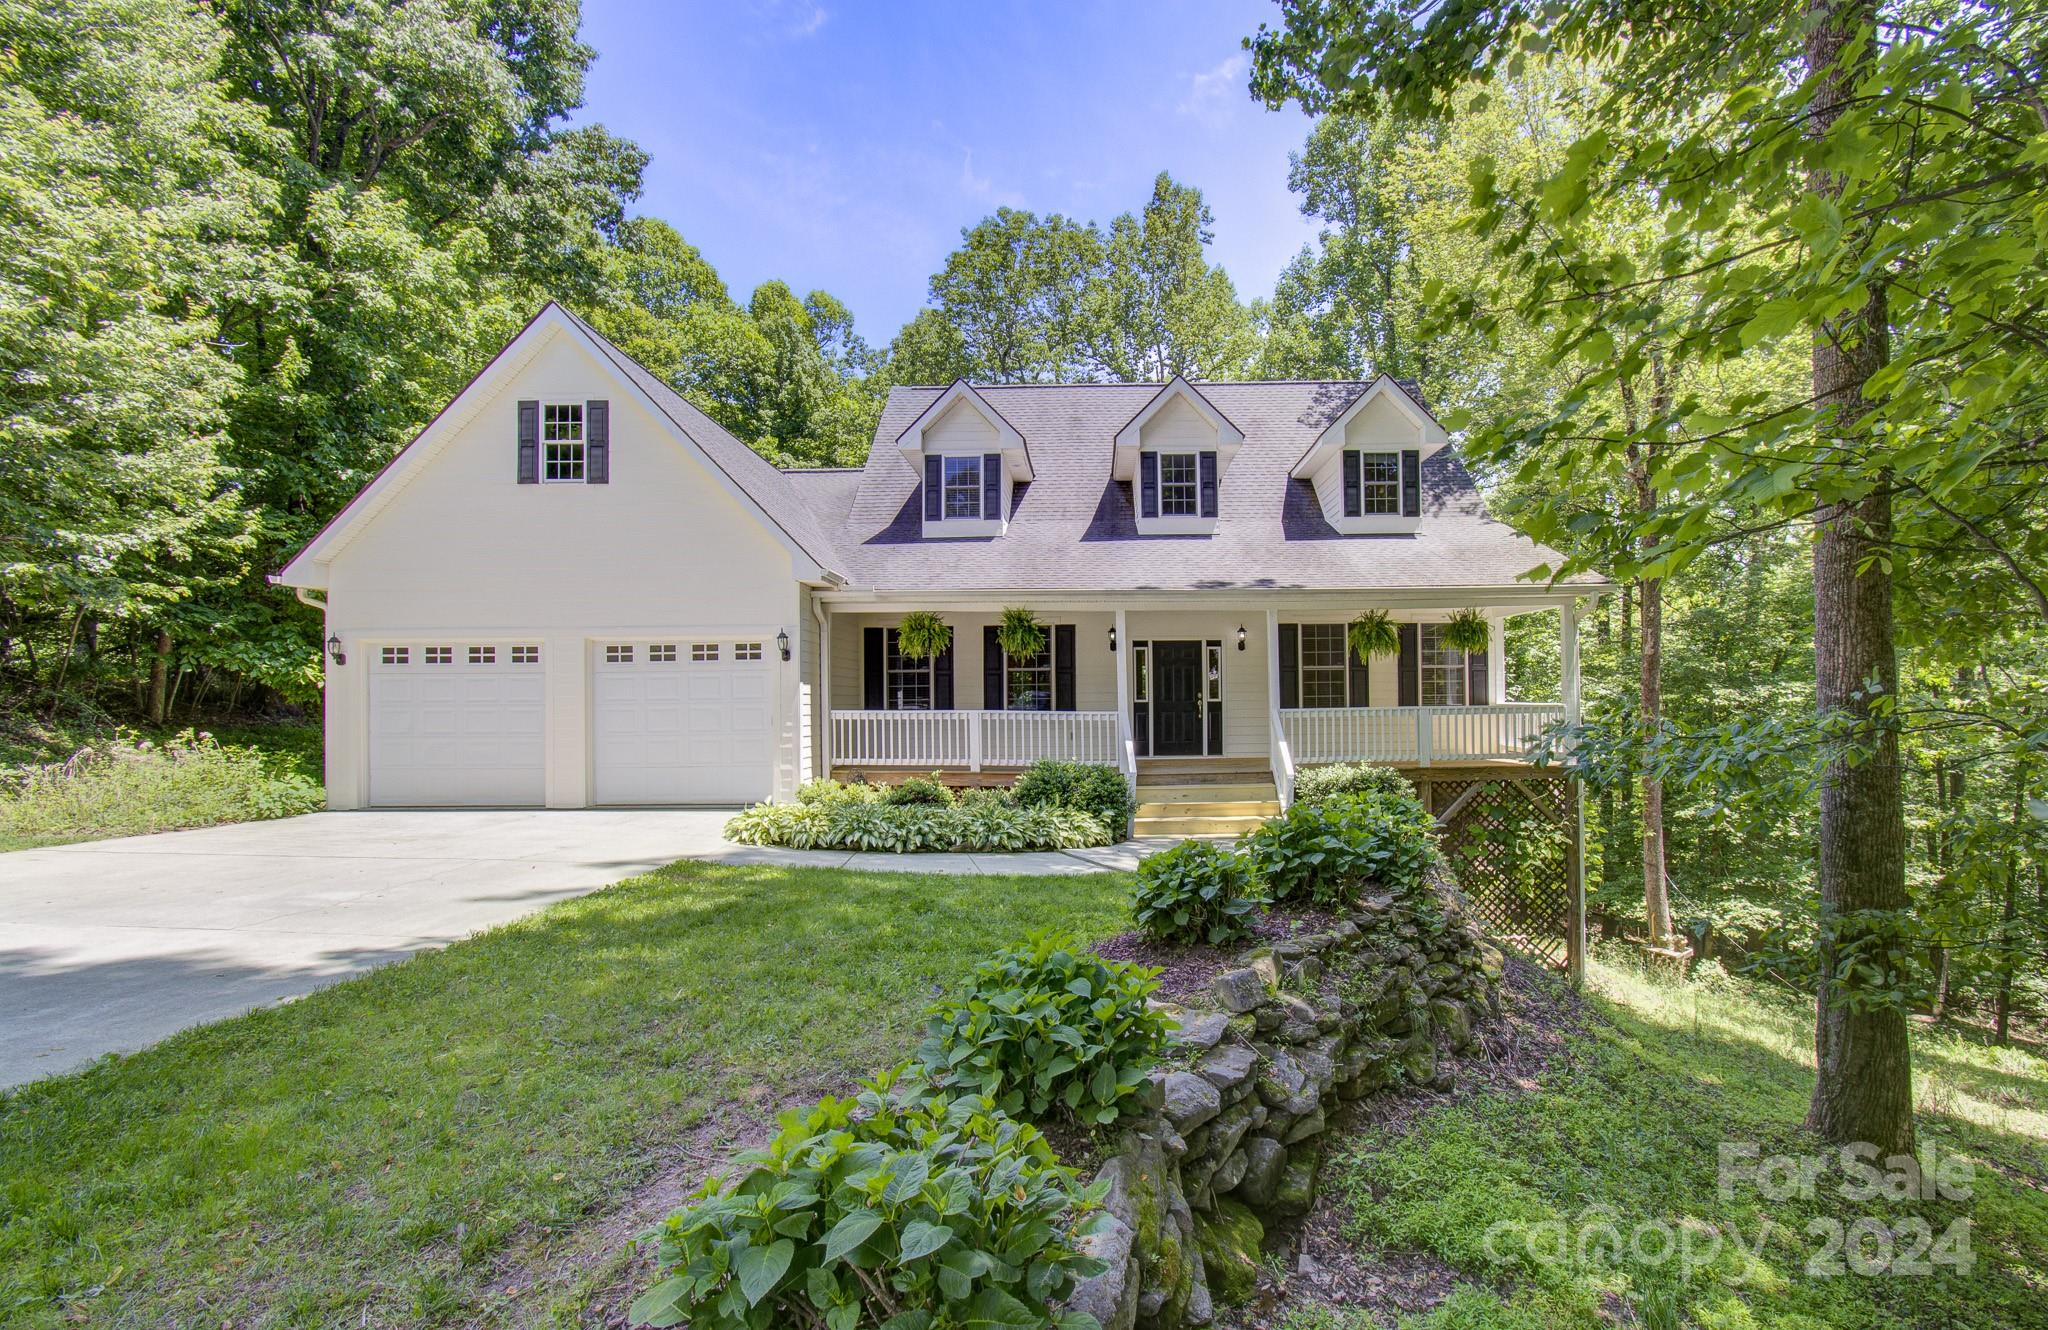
x: 111, y: 945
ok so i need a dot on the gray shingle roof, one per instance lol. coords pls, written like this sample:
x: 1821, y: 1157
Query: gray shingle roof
x: 1073, y: 528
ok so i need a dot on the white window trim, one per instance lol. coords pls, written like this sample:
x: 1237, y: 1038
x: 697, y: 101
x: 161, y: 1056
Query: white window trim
x: 928, y: 668
x: 1459, y: 671
x: 1193, y: 458
x: 1052, y: 675
x: 582, y: 476
x: 1301, y: 701
x: 1369, y: 491
x: 947, y: 461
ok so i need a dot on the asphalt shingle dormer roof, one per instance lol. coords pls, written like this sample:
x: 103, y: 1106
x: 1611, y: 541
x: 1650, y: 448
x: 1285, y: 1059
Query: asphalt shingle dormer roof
x: 1074, y: 529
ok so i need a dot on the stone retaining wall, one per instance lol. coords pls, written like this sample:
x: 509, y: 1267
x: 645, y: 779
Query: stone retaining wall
x: 1232, y: 1136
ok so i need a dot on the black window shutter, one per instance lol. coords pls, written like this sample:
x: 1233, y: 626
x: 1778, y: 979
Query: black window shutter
x: 597, y: 443
x: 1411, y: 483
x: 1208, y: 465
x: 1475, y: 678
x: 932, y: 484
x: 1290, y: 665
x: 529, y: 443
x: 942, y: 680
x: 1148, y: 484
x: 1063, y: 667
x: 874, y: 686
x: 1354, y: 501
x: 1410, y: 667
x: 992, y: 486
x: 1361, y: 676
x: 991, y: 669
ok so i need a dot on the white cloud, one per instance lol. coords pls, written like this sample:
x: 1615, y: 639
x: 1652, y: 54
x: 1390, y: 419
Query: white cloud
x: 1213, y: 93
x: 792, y: 18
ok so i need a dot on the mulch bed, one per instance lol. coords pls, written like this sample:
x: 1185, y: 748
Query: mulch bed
x: 1323, y: 1267
x: 1187, y: 972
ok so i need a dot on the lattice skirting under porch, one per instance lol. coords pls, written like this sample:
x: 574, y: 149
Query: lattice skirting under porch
x: 1514, y: 843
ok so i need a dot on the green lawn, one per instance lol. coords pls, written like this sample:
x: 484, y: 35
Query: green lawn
x: 1627, y: 1126
x: 398, y: 1148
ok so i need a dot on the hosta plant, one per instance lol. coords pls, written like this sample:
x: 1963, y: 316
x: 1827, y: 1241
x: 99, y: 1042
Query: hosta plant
x: 1315, y: 784
x: 1047, y: 1026
x: 984, y: 825
x: 1092, y: 787
x: 923, y: 635
x: 1197, y: 892
x: 1327, y: 852
x: 919, y: 790
x: 1468, y: 631
x: 899, y: 1208
x: 1373, y: 634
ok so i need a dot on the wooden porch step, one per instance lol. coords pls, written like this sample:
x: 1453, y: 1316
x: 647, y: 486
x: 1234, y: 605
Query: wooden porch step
x: 1259, y: 808
x: 1195, y: 826
x: 1257, y: 791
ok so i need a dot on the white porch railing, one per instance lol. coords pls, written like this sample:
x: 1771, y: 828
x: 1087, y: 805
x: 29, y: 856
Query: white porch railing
x: 1418, y: 735
x: 973, y: 739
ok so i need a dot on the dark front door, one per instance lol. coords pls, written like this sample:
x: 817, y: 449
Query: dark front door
x: 1177, y: 699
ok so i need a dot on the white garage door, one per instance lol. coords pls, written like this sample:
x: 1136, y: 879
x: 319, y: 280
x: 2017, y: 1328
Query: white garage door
x: 682, y: 722
x: 458, y: 723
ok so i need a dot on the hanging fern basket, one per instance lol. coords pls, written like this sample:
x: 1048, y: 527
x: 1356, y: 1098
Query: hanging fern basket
x: 1020, y: 633
x: 1467, y: 631
x: 1373, y: 634
x: 923, y: 635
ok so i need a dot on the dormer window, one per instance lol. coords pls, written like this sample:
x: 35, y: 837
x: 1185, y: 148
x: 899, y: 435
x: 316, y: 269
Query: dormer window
x: 1174, y: 452
x: 961, y: 487
x: 1179, y: 488
x: 1372, y: 483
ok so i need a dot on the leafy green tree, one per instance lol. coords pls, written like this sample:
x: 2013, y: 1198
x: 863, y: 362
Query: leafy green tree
x: 129, y: 221
x: 1159, y: 308
x: 1013, y: 294
x: 1865, y: 181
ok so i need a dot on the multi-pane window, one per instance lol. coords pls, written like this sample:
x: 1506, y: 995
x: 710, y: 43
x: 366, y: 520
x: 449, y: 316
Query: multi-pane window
x: 962, y: 487
x: 1324, y: 671
x: 906, y: 683
x: 396, y: 655
x: 1443, y: 669
x: 661, y: 653
x: 703, y: 652
x: 746, y: 651
x: 1027, y: 680
x: 1179, y: 485
x: 440, y: 655
x: 483, y: 655
x: 618, y: 653
x: 526, y: 655
x: 561, y: 441
x: 1379, y: 483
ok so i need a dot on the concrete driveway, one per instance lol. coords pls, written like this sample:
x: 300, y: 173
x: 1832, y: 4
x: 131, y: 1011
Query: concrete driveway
x: 109, y: 946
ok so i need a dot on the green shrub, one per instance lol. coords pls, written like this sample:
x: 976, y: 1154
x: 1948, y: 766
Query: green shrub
x: 1097, y: 790
x: 1325, y: 852
x: 1315, y: 784
x: 919, y: 790
x: 834, y: 792
x: 898, y: 1207
x: 984, y: 796
x: 1046, y: 1025
x: 1196, y: 892
x: 130, y: 787
x: 985, y: 826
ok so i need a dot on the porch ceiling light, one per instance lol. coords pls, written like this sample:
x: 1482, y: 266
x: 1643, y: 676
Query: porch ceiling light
x: 334, y: 650
x: 1240, y: 637
x: 782, y: 642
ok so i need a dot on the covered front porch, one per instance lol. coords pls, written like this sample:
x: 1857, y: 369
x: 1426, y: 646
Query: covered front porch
x: 1260, y: 688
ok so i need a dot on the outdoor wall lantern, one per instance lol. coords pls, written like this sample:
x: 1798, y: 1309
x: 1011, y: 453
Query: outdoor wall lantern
x: 782, y: 642
x: 334, y: 650
x: 1240, y: 637
x: 1112, y: 637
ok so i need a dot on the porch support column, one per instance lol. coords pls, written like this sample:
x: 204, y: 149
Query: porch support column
x: 1497, y: 660
x: 821, y: 704
x: 1568, y: 649
x: 1120, y: 661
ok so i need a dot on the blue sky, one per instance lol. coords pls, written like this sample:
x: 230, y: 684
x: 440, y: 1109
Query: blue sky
x: 843, y: 145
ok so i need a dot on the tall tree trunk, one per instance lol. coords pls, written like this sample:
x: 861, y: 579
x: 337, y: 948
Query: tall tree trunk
x: 1863, y: 1091
x: 159, y: 664
x: 1650, y: 679
x: 2008, y: 939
